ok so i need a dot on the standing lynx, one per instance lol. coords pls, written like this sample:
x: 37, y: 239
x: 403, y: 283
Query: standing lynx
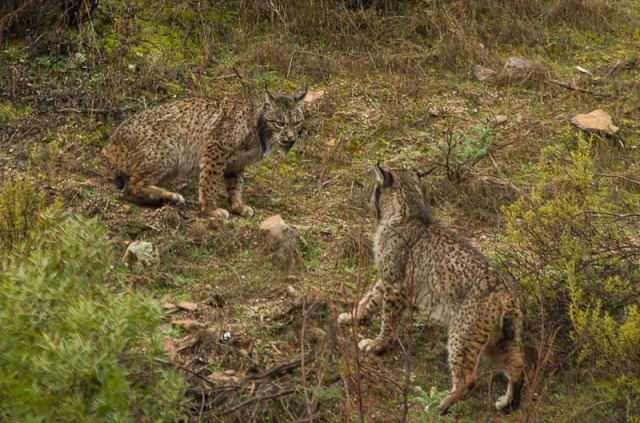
x: 218, y: 139
x: 446, y: 277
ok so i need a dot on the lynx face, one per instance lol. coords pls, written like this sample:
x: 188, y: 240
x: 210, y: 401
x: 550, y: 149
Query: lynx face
x: 283, y: 122
x: 399, y: 193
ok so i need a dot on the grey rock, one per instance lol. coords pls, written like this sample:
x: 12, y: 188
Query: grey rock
x: 283, y: 240
x: 482, y: 74
x: 141, y: 254
x: 515, y: 62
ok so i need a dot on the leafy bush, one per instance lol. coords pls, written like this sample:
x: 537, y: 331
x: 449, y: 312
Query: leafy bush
x: 70, y: 348
x: 573, y: 245
x: 24, y: 213
x: 463, y: 150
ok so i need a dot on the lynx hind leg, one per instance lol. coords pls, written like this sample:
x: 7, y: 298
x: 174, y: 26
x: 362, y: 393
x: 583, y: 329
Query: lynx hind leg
x: 234, y: 183
x: 469, y: 335
x: 507, y: 357
x: 392, y: 307
x: 142, y: 189
x: 367, y: 307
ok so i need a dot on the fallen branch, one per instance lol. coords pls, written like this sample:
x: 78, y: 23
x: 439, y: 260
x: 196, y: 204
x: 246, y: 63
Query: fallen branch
x: 186, y: 369
x: 611, y: 175
x: 222, y: 396
x: 256, y: 399
x: 582, y: 90
x: 616, y: 215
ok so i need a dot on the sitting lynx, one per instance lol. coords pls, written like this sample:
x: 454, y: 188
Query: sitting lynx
x: 218, y: 139
x: 449, y: 279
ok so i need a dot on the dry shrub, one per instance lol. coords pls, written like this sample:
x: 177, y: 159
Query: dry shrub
x: 21, y: 16
x: 584, y: 13
x: 357, y: 247
x: 459, y: 33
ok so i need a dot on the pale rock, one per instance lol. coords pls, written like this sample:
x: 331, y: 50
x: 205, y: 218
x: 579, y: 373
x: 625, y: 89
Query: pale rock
x: 482, y: 74
x: 283, y: 241
x: 168, y: 306
x: 313, y: 96
x: 187, y: 323
x: 141, y: 254
x: 499, y: 119
x: 169, y: 347
x: 598, y: 121
x: 186, y: 305
x: 515, y: 62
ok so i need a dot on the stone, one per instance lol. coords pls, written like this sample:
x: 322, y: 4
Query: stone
x: 515, y: 62
x: 186, y: 305
x: 271, y: 223
x: 141, y: 254
x: 284, y: 241
x: 482, y: 74
x: 224, y: 377
x: 169, y: 347
x: 277, y: 228
x: 499, y: 119
x: 168, y: 306
x: 596, y: 121
x: 187, y: 323
x: 313, y: 96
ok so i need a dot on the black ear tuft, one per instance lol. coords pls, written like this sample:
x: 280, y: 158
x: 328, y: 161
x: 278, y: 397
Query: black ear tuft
x: 301, y: 97
x: 422, y: 173
x: 268, y: 98
x: 383, y: 177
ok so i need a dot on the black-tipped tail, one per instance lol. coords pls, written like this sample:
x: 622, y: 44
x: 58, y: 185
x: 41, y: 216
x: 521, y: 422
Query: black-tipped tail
x: 120, y: 181
x: 508, y: 329
x: 517, y: 394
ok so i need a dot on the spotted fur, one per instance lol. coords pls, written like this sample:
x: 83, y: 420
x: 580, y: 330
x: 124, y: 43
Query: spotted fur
x: 449, y: 280
x: 216, y: 139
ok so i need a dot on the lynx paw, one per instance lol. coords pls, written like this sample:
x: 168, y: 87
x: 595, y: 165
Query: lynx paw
x: 367, y: 345
x: 242, y: 210
x: 503, y: 402
x: 345, y: 319
x: 217, y: 213
x: 178, y: 199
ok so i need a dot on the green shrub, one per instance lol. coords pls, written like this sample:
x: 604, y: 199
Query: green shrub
x: 24, y: 212
x: 70, y: 348
x: 572, y: 243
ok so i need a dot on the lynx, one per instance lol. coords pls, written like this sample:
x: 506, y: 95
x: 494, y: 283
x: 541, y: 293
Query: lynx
x: 218, y: 139
x: 446, y: 277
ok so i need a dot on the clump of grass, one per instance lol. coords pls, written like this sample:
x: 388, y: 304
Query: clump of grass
x: 24, y: 212
x: 70, y: 348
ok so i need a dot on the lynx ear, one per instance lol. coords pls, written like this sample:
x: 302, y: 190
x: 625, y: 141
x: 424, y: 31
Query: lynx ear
x: 301, y: 97
x: 383, y: 177
x: 421, y: 173
x: 268, y: 98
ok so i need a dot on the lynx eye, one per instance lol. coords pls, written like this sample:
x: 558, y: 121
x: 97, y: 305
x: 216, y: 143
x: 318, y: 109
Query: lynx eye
x: 296, y: 124
x: 278, y: 124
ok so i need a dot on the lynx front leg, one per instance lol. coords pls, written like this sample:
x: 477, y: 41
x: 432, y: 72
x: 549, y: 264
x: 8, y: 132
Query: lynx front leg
x: 367, y: 307
x: 211, y: 172
x: 392, y: 308
x: 234, y: 183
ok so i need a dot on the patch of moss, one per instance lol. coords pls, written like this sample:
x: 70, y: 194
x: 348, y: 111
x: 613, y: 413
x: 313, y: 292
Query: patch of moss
x: 9, y: 114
